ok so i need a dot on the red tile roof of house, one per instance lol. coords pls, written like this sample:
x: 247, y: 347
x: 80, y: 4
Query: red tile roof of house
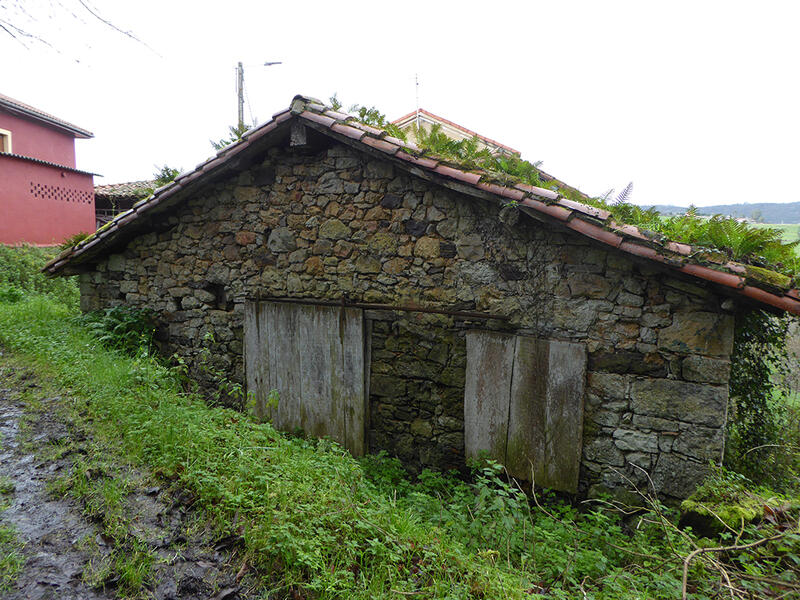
x: 467, y: 132
x: 763, y: 287
x: 15, y: 106
x: 129, y: 189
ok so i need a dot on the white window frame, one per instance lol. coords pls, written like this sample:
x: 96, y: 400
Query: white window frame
x: 5, y: 141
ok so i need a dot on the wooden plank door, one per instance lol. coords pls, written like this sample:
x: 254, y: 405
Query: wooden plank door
x: 523, y: 404
x: 314, y: 357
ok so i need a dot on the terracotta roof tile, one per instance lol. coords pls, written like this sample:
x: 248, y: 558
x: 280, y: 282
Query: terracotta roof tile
x: 592, y: 211
x: 335, y: 114
x: 427, y: 163
x: 537, y: 191
x: 506, y: 192
x: 351, y: 132
x: 317, y: 118
x: 551, y: 210
x: 381, y: 145
x: 471, y: 178
x: 595, y: 232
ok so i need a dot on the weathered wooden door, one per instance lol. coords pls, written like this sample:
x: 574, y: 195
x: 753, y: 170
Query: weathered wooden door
x: 523, y: 405
x: 313, y: 356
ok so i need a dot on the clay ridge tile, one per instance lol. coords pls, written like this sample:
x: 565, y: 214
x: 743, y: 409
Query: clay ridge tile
x: 351, y: 132
x: 471, y: 178
x: 427, y: 163
x: 381, y: 145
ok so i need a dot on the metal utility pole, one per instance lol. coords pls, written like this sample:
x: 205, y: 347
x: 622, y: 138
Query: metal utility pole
x: 240, y: 89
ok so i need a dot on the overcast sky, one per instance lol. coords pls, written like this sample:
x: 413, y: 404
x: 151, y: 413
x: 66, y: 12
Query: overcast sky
x: 695, y: 102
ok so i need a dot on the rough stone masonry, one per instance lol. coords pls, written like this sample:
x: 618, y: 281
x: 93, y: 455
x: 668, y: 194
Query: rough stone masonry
x: 327, y: 221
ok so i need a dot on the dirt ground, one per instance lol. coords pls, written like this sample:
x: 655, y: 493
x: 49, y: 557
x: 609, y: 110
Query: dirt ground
x: 62, y: 546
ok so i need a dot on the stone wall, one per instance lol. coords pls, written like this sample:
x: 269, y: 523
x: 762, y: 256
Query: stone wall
x: 331, y: 222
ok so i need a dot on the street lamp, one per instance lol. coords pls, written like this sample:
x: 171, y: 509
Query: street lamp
x: 240, y: 89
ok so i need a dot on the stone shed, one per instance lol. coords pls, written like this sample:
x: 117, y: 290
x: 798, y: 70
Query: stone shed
x: 397, y: 302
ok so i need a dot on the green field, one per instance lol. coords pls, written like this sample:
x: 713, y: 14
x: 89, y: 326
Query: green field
x: 791, y: 232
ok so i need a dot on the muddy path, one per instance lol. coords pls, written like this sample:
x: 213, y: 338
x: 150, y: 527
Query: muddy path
x: 67, y: 552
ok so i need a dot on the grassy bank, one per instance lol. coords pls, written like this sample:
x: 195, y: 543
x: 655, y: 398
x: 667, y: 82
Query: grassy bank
x: 318, y: 522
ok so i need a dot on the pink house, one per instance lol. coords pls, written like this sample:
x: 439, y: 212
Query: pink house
x: 44, y: 198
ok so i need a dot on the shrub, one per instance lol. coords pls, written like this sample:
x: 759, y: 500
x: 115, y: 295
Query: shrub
x: 20, y: 275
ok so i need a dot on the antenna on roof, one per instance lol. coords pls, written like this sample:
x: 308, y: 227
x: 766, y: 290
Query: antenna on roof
x: 416, y: 82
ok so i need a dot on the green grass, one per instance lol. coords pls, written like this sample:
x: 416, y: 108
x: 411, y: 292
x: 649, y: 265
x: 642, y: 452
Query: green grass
x: 11, y: 559
x: 315, y: 521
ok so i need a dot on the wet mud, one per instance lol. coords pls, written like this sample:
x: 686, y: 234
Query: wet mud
x: 61, y: 545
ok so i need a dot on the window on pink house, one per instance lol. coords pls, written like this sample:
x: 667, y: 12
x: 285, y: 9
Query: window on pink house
x: 5, y: 141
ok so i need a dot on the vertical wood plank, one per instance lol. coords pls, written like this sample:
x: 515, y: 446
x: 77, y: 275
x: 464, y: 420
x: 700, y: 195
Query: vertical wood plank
x: 487, y: 389
x: 353, y: 393
x: 253, y: 360
x: 526, y: 421
x: 563, y: 445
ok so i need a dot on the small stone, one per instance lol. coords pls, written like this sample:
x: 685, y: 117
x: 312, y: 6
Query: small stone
x: 116, y: 262
x: 698, y: 333
x: 415, y: 228
x: 705, y: 370
x: 603, y: 450
x: 368, y: 264
x: 330, y: 183
x: 427, y: 247
x: 626, y: 439
x: 334, y: 229
x: 391, y: 201
x: 395, y: 266
x: 382, y: 244
x: 314, y: 266
x: 245, y: 237
x: 281, y: 239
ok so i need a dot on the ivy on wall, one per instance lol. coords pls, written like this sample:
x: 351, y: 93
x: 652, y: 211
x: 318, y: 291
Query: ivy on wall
x: 758, y: 444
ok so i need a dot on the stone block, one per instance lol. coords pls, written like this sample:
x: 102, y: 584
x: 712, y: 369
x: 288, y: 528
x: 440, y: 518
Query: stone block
x: 281, y: 239
x: 415, y: 227
x: 116, y: 262
x: 391, y: 201
x: 680, y: 400
x: 698, y: 333
x: 628, y: 362
x: 589, y: 285
x: 470, y: 247
x: 604, y: 451
x: 607, y: 385
x: 636, y: 441
x: 676, y: 476
x: 330, y: 183
x: 334, y: 229
x: 702, y: 443
x: 705, y: 370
